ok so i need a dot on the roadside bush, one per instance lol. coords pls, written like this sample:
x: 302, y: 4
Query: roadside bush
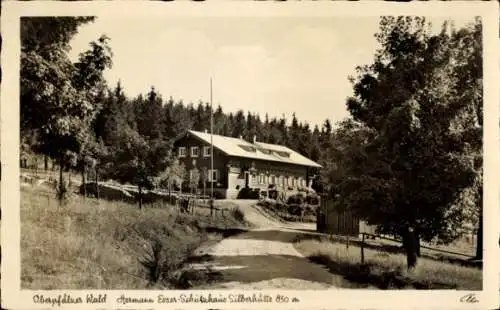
x: 248, y: 193
x: 312, y: 199
x: 238, y: 214
x: 218, y: 195
x: 299, y: 199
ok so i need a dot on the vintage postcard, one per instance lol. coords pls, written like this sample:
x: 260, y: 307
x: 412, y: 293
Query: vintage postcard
x: 246, y: 155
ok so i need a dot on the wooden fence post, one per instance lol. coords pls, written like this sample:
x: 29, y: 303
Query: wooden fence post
x: 347, y: 243
x: 363, y: 249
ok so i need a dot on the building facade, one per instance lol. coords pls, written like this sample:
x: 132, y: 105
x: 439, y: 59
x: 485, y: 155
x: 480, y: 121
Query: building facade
x: 240, y: 164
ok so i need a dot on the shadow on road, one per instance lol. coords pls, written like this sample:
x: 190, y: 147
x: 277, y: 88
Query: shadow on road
x: 249, y: 269
x: 226, y: 232
x: 287, y: 236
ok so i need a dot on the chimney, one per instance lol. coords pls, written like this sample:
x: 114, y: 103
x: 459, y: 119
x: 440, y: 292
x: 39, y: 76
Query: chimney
x: 206, y: 130
x: 254, y: 139
x: 241, y: 137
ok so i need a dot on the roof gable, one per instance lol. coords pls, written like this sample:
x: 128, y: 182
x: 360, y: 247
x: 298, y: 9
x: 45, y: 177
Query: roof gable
x: 263, y: 151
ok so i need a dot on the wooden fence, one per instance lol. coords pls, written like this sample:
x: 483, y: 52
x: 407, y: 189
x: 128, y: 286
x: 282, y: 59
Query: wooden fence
x: 331, y: 221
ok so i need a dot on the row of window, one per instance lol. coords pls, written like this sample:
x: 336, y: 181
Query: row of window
x: 195, y: 151
x: 281, y: 180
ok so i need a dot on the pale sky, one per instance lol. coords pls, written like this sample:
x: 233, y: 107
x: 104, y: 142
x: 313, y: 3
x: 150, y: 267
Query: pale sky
x: 277, y: 65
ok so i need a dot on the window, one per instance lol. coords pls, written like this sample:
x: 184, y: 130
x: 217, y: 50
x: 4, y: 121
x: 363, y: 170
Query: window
x: 206, y: 151
x: 182, y: 151
x: 261, y: 179
x: 195, y: 151
x: 281, y: 180
x: 273, y: 179
x: 300, y: 182
x: 213, y: 175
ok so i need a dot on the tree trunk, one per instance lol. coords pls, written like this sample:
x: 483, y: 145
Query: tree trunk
x: 60, y: 197
x: 170, y: 193
x: 69, y: 178
x: 417, y: 243
x: 479, y: 243
x: 45, y: 162
x: 410, y: 245
x: 60, y: 171
x: 140, y: 197
x: 96, y: 183
x: 84, y: 182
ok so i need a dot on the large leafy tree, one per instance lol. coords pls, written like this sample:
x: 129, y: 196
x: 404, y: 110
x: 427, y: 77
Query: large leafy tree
x: 421, y: 103
x: 57, y: 95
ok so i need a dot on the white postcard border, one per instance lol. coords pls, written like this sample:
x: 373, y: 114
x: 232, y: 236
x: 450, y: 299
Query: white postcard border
x: 15, y: 298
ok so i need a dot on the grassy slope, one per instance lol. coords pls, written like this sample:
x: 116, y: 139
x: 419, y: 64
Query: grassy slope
x: 105, y: 245
x: 384, y: 270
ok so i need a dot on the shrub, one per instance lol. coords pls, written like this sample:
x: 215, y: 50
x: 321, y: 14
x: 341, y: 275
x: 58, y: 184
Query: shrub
x: 238, y: 214
x: 218, y: 195
x: 248, y: 193
x: 296, y: 199
x: 312, y: 199
x: 295, y: 209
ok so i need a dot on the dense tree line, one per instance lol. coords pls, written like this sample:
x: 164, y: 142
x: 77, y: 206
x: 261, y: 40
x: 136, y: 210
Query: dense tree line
x: 408, y: 159
x: 164, y: 120
x: 70, y: 114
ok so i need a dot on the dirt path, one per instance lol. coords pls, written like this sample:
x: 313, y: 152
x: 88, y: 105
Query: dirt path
x: 263, y: 258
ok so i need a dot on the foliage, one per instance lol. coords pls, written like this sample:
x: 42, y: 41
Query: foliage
x: 173, y: 175
x: 413, y: 144
x: 238, y: 215
x: 57, y: 95
x: 194, y: 179
x: 248, y: 193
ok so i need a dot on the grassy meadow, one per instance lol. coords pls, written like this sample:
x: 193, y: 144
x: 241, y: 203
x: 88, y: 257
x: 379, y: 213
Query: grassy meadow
x: 91, y: 244
x: 387, y: 270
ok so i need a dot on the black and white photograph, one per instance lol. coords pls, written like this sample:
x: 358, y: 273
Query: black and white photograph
x: 250, y: 152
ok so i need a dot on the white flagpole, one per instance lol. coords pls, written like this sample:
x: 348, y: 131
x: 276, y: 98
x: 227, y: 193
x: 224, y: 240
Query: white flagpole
x: 211, y: 144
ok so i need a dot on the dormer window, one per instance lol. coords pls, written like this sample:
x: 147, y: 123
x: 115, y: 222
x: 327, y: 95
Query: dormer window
x: 283, y: 154
x: 195, y: 151
x: 265, y: 151
x: 248, y: 148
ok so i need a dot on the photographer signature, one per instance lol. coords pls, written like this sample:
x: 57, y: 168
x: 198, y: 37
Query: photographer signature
x: 469, y: 298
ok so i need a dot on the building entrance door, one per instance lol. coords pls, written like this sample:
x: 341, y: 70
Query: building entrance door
x: 247, y: 178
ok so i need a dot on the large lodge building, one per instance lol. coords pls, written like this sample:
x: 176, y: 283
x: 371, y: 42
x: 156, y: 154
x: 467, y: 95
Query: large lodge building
x: 238, y: 164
